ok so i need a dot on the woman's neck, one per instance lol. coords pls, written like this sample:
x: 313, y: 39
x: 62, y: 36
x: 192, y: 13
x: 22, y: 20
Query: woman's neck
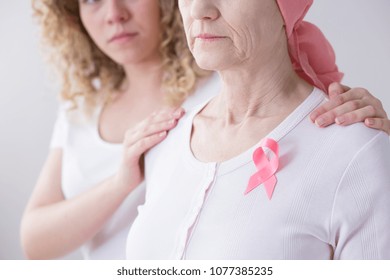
x: 263, y: 88
x: 143, y: 80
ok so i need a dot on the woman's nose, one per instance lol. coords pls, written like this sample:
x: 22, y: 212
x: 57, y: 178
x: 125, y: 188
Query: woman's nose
x: 117, y: 12
x: 204, y: 10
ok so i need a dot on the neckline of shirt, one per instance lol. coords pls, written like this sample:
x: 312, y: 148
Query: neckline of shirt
x: 209, y: 81
x: 289, y: 123
x: 96, y: 132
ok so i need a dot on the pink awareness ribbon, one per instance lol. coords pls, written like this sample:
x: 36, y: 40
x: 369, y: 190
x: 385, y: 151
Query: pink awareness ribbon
x: 266, y: 168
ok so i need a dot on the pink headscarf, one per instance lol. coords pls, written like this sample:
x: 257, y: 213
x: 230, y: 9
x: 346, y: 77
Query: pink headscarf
x: 312, y: 55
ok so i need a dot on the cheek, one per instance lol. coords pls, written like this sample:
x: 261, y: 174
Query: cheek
x: 187, y: 25
x: 149, y: 16
x: 241, y: 40
x: 91, y: 25
x: 184, y: 12
x: 184, y: 7
x: 252, y: 36
x: 190, y: 40
x: 85, y: 20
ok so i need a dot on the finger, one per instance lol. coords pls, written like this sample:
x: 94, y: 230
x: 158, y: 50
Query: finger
x: 356, y: 116
x: 144, y: 144
x: 378, y: 123
x: 344, y: 88
x: 354, y: 94
x: 161, y: 116
x: 368, y: 100
x: 168, y: 113
x: 341, y: 114
x: 158, y: 127
x: 337, y: 89
x: 326, y: 107
x: 178, y: 113
x: 148, y: 129
x: 167, y: 116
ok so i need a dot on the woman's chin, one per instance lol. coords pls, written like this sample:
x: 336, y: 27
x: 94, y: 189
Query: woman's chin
x: 214, y: 62
x: 209, y: 64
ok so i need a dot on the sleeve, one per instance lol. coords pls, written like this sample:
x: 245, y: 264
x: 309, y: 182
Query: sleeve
x: 60, y: 131
x: 360, y: 224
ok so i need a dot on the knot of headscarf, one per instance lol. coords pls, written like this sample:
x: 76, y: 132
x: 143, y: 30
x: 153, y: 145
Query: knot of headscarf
x: 311, y: 54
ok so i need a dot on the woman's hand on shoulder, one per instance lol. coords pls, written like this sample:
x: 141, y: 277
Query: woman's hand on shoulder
x: 144, y: 136
x: 347, y: 106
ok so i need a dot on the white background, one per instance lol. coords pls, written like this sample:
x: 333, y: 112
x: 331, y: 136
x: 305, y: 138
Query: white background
x: 358, y: 29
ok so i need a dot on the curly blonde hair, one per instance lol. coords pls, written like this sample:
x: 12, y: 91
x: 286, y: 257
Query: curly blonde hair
x: 89, y: 75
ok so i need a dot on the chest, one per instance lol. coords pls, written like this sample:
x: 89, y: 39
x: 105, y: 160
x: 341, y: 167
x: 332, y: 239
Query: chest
x: 202, y: 211
x: 213, y: 142
x: 117, y: 117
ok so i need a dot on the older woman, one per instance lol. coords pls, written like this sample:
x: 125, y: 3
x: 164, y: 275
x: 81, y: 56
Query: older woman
x: 250, y: 177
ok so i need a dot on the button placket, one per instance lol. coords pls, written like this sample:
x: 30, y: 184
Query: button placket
x: 192, y: 218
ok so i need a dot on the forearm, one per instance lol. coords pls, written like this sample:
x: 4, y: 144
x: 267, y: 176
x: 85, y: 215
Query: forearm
x: 54, y: 230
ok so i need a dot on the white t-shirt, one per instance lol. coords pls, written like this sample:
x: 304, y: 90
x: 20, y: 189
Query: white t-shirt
x: 331, y: 200
x: 87, y: 160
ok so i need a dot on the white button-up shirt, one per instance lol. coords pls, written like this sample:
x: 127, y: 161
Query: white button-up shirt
x: 331, y: 200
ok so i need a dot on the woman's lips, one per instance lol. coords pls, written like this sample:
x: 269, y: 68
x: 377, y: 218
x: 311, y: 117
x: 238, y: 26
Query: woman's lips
x: 209, y: 37
x: 123, y: 37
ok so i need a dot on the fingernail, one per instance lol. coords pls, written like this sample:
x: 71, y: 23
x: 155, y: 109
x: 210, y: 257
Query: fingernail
x: 320, y: 122
x: 178, y: 113
x: 313, y: 116
x: 340, y: 120
x: 370, y: 122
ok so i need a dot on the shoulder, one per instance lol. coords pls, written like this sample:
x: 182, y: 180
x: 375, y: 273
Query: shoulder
x: 335, y: 148
x: 73, y: 123
x: 78, y: 115
x: 181, y: 134
x: 357, y: 137
x: 345, y: 139
x: 354, y: 149
x: 369, y: 149
x: 177, y: 141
